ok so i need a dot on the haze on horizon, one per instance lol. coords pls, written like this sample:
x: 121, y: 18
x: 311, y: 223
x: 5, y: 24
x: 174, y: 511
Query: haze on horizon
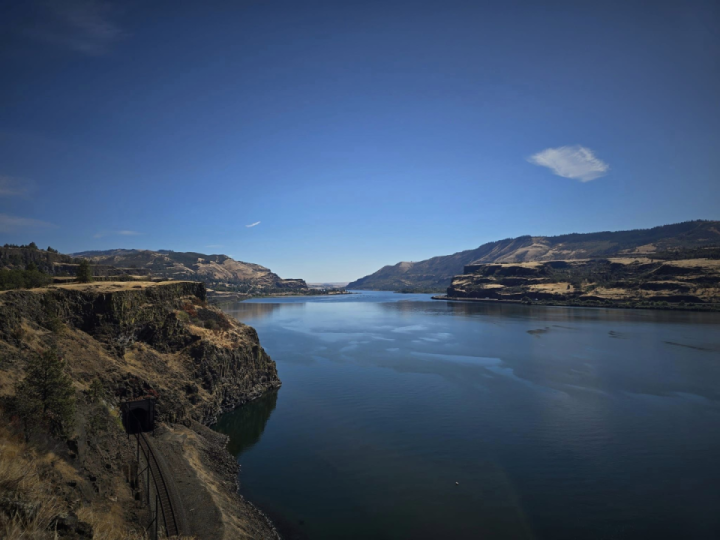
x: 325, y: 139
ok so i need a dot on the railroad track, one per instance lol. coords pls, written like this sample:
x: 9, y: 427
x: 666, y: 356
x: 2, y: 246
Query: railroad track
x: 168, y: 511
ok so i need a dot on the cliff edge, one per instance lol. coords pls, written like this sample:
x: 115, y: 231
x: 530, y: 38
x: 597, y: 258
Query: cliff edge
x: 132, y: 340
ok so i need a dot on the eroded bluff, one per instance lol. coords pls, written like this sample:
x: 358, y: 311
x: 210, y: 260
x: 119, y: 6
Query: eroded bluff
x: 617, y: 281
x: 140, y: 339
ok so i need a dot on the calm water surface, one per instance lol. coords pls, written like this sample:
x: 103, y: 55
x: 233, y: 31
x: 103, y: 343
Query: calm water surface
x: 556, y: 422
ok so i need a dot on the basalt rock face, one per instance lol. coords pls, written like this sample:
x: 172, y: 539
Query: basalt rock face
x: 145, y: 339
x: 606, y: 281
x: 232, y: 376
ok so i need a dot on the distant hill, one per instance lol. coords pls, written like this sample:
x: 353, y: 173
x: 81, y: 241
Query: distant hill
x: 215, y: 270
x: 437, y: 273
x: 328, y: 285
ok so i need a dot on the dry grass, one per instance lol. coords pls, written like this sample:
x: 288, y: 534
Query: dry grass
x: 631, y: 260
x: 108, y: 523
x: 102, y: 286
x: 610, y: 293
x: 22, y: 488
x: 25, y: 485
x: 561, y: 287
x: 696, y: 263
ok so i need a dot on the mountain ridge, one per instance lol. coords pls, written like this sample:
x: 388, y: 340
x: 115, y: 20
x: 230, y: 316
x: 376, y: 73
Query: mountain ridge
x: 437, y: 272
x: 215, y: 270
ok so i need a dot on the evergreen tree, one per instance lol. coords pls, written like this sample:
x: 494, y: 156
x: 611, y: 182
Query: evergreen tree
x: 46, y: 394
x: 84, y: 272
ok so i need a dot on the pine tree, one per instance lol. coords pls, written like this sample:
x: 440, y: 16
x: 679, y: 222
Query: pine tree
x: 84, y: 272
x: 46, y: 394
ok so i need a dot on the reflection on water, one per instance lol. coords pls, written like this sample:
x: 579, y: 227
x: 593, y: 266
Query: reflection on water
x: 255, y: 310
x: 247, y: 423
x: 552, y: 313
x: 555, y: 422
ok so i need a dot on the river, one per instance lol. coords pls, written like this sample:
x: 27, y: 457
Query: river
x: 402, y: 417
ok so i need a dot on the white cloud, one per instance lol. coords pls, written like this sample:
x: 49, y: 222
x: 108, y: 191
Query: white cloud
x: 253, y: 224
x: 116, y: 233
x: 576, y: 162
x: 10, y: 223
x: 13, y: 187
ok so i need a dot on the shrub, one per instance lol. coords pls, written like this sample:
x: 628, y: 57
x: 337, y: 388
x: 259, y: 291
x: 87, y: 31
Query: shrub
x: 211, y: 324
x: 54, y: 324
x: 190, y: 310
x: 23, y: 279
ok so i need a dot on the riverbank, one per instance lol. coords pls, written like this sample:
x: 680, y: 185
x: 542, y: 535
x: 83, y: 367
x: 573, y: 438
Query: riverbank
x: 711, y: 308
x: 218, y: 297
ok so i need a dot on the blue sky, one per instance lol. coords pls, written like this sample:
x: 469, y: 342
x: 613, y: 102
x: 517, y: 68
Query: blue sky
x: 353, y: 134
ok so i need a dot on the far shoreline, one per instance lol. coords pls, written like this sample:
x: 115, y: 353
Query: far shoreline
x: 695, y: 308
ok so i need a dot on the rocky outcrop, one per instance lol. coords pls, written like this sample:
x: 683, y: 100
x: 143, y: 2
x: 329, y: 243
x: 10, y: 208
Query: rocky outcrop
x: 159, y: 339
x: 605, y: 281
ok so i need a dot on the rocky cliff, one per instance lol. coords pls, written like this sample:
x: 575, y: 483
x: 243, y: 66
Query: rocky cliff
x: 142, y: 339
x: 437, y: 272
x: 618, y: 281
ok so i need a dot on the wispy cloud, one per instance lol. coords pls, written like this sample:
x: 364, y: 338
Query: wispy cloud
x: 253, y: 224
x: 10, y: 223
x: 116, y: 233
x: 576, y: 162
x: 84, y: 26
x: 14, y: 187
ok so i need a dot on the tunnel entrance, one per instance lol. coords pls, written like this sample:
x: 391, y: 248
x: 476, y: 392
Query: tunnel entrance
x: 138, y: 416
